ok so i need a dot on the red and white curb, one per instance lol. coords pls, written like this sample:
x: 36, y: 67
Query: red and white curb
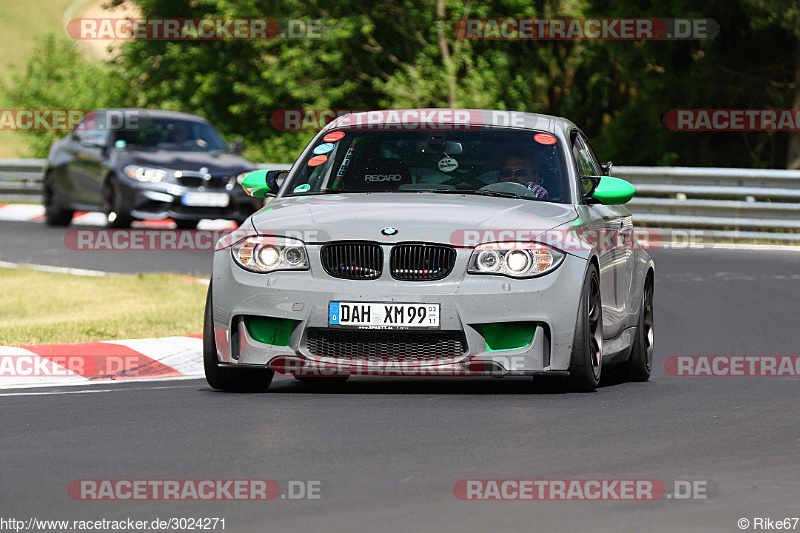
x: 35, y: 213
x: 50, y: 365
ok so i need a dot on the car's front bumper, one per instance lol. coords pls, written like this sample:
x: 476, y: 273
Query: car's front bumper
x: 467, y: 304
x: 165, y: 200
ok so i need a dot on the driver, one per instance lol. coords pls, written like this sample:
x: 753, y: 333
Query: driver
x: 524, y: 171
x: 178, y: 134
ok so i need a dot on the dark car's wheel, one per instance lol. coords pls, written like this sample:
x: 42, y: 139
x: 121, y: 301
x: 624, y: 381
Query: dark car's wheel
x: 228, y: 379
x: 587, y: 354
x: 640, y: 363
x: 118, y: 217
x: 55, y: 214
x: 187, y: 224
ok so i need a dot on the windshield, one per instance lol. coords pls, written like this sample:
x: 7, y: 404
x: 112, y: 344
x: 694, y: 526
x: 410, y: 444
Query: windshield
x: 512, y: 163
x: 171, y: 134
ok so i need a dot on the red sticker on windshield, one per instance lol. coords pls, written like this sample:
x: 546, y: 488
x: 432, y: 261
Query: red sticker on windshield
x: 317, y: 160
x: 544, y: 138
x: 333, y: 137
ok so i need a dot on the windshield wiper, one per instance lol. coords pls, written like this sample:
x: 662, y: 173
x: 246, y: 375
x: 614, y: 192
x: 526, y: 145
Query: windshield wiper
x: 476, y: 192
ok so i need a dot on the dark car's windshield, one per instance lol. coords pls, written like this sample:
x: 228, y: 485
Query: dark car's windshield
x: 173, y: 134
x: 512, y: 163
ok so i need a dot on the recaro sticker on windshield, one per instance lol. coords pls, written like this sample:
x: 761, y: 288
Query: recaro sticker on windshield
x: 447, y: 164
x: 317, y: 160
x: 333, y: 136
x: 323, y: 148
x: 302, y: 188
x: 544, y: 138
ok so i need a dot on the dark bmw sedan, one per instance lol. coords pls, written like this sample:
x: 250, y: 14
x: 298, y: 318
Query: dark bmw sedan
x: 144, y: 164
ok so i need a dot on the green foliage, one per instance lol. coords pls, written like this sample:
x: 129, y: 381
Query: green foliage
x: 404, y: 53
x: 58, y: 77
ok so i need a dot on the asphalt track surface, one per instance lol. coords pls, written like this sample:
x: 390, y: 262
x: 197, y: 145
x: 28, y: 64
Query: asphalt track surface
x: 388, y: 451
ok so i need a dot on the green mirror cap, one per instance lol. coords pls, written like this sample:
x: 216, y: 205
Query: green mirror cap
x: 613, y: 191
x: 255, y: 184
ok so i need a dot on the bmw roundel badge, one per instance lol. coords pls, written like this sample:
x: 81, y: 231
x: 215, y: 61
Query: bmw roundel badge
x: 389, y: 231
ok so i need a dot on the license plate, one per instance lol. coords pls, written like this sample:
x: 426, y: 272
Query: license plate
x: 375, y: 315
x: 206, y: 199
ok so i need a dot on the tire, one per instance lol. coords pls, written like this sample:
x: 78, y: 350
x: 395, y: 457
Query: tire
x: 586, y: 364
x: 55, y: 214
x: 187, y: 224
x: 118, y: 216
x: 640, y: 363
x: 228, y: 379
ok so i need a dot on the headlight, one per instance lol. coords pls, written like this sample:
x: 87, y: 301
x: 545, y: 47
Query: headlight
x: 514, y: 259
x: 268, y: 254
x: 145, y: 174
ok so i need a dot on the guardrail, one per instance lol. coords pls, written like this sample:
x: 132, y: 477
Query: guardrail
x: 21, y: 180
x: 732, y: 203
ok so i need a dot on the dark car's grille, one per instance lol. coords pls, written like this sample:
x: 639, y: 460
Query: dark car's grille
x: 215, y: 182
x: 384, y: 344
x: 421, y: 262
x: 352, y: 260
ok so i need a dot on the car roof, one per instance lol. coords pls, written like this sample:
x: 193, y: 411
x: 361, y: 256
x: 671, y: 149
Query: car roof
x: 155, y: 113
x: 467, y: 118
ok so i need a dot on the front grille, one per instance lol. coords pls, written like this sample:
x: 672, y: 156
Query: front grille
x: 352, y: 260
x: 421, y: 262
x: 384, y: 345
x: 206, y: 212
x: 216, y: 182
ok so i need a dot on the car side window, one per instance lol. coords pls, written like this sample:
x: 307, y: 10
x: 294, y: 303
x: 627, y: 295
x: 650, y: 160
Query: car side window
x: 95, y: 133
x: 78, y: 131
x: 595, y: 163
x: 583, y: 159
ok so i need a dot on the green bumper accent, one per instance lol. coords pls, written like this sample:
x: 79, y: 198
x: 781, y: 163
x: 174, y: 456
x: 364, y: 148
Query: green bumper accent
x: 507, y: 335
x: 275, y: 331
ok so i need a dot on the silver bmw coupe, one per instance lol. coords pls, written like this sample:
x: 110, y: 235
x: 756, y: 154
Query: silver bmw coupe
x: 433, y: 242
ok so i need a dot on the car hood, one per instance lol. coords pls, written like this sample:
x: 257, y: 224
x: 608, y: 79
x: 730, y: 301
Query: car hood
x: 216, y: 163
x: 416, y: 217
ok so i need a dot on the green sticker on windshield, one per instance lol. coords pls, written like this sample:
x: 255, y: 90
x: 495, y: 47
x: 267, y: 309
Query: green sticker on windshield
x: 302, y: 188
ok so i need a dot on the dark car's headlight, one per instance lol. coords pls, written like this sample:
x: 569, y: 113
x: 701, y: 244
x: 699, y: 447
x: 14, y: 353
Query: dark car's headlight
x: 145, y: 174
x: 268, y: 254
x: 514, y: 259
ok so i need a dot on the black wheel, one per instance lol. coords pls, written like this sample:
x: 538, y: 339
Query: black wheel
x: 55, y: 214
x: 118, y: 217
x: 186, y: 224
x: 640, y: 363
x: 587, y: 353
x: 228, y: 379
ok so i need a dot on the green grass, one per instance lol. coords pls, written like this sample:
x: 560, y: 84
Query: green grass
x: 42, y: 307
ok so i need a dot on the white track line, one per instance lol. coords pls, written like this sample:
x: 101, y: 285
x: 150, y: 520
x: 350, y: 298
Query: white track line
x: 57, y: 269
